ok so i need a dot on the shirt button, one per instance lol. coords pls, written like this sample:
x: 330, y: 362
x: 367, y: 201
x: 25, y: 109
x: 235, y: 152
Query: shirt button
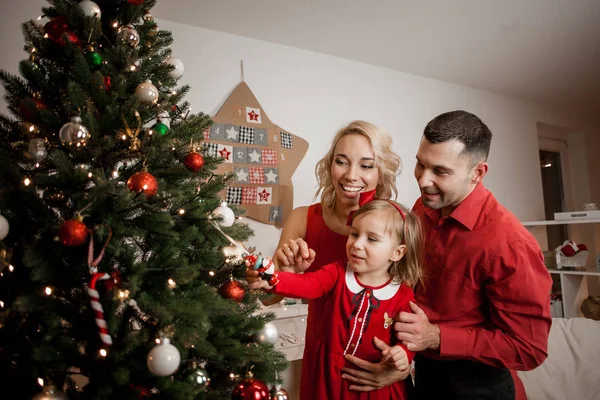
x: 352, y: 345
x: 360, y: 320
x: 368, y: 294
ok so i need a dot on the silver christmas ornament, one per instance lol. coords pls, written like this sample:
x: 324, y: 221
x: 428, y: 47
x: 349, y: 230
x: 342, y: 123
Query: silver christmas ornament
x: 164, y: 359
x: 178, y: 64
x: 74, y: 133
x: 128, y: 34
x: 280, y: 394
x: 268, y: 334
x: 4, y: 226
x: 147, y: 93
x: 37, y: 150
x: 90, y: 9
x: 50, y: 393
x: 199, y: 377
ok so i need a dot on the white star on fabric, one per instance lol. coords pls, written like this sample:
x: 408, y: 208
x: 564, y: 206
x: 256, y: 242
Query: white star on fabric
x: 231, y: 133
x: 271, y: 176
x: 254, y: 156
x: 242, y: 175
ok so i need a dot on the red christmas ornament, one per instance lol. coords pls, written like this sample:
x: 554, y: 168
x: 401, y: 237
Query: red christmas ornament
x: 251, y: 389
x: 73, y: 233
x: 232, y: 290
x: 143, y: 182
x: 136, y: 2
x: 106, y: 83
x: 56, y: 28
x: 115, y: 280
x: 29, y: 109
x: 193, y: 161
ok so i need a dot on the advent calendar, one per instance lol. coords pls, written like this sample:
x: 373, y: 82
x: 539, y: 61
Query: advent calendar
x: 261, y: 156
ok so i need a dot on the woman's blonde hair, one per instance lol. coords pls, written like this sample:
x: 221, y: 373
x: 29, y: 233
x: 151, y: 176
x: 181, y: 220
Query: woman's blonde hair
x: 387, y: 162
x: 408, y: 270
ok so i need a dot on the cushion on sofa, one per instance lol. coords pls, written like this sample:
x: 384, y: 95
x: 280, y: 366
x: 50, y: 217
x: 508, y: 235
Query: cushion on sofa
x: 572, y: 369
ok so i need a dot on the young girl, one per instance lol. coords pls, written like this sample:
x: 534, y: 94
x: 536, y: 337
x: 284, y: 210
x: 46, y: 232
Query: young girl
x: 364, y: 294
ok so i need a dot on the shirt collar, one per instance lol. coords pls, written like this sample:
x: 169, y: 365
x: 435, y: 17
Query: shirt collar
x: 468, y: 211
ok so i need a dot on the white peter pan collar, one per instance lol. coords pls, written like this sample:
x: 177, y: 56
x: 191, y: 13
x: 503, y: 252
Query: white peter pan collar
x: 384, y: 293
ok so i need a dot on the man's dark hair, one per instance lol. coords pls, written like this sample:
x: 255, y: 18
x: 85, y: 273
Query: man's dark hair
x: 463, y: 126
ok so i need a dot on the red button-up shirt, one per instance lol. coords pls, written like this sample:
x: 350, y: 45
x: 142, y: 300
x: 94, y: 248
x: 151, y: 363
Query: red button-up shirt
x: 486, y: 284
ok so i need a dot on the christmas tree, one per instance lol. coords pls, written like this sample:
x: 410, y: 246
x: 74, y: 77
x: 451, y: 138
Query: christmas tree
x: 118, y: 268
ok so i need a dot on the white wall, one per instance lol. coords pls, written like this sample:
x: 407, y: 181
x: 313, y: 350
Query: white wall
x: 313, y: 95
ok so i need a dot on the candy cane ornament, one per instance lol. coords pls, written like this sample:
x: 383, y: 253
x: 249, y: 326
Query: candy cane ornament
x: 98, y: 310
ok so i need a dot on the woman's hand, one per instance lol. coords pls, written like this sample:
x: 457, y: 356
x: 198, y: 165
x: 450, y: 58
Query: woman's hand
x: 294, y: 256
x: 373, y: 376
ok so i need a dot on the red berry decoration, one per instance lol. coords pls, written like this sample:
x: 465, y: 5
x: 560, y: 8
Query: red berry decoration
x: 136, y: 2
x: 73, y: 232
x: 193, y: 161
x: 232, y: 290
x: 143, y: 182
x: 251, y: 389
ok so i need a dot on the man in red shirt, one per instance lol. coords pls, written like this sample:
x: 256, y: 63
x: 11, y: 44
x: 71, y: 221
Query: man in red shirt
x: 484, y: 307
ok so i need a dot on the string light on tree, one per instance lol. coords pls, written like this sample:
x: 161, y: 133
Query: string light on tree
x: 163, y: 359
x: 50, y: 393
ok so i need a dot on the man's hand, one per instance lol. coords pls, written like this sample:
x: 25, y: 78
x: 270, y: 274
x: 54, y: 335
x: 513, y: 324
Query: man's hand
x: 294, y: 256
x: 415, y: 331
x: 373, y: 376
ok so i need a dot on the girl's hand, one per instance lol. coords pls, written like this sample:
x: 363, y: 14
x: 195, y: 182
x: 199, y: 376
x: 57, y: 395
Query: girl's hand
x: 259, y: 284
x: 396, y: 357
x: 372, y: 376
x: 294, y: 256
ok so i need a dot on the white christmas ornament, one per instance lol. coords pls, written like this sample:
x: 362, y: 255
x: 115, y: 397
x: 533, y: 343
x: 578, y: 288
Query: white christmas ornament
x: 147, y: 93
x: 3, y: 227
x: 178, y: 64
x: 164, y: 118
x: 37, y: 150
x: 90, y: 9
x: 164, y: 359
x: 268, y: 334
x: 225, y: 214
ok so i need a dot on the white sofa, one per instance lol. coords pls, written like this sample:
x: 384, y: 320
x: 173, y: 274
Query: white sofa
x: 572, y: 369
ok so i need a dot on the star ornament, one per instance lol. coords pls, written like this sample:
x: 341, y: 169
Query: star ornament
x: 253, y: 116
x: 225, y: 153
x: 264, y: 195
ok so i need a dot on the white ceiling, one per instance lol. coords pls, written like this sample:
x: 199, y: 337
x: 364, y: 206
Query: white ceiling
x: 544, y: 50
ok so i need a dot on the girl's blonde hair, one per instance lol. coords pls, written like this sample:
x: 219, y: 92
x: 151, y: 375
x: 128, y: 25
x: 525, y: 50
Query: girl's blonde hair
x: 387, y: 162
x: 407, y: 231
